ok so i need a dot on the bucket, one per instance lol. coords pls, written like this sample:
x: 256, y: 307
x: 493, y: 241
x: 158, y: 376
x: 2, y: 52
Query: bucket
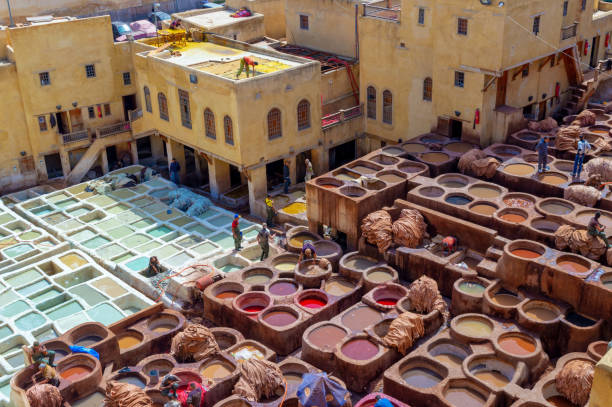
x: 154, y: 376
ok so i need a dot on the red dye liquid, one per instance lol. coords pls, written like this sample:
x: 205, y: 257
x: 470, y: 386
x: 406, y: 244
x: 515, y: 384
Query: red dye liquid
x: 183, y: 392
x: 253, y: 308
x: 387, y: 301
x: 312, y: 302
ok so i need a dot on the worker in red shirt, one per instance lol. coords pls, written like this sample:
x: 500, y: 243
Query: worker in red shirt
x: 449, y: 244
x: 236, y: 233
x: 245, y: 63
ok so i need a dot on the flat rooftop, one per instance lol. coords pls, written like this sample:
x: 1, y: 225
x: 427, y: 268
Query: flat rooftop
x: 223, y: 61
x: 217, y: 18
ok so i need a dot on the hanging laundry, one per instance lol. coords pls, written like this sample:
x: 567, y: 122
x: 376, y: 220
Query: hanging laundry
x: 52, y: 120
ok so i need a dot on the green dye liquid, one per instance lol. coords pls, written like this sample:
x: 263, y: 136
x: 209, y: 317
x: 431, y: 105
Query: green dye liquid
x: 138, y: 264
x: 23, y: 277
x: 64, y: 310
x: 105, y: 314
x: 18, y: 250
x: 96, y: 242
x: 30, y: 321
x: 159, y: 231
x: 14, y: 308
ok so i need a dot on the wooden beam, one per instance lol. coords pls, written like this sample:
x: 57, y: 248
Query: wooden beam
x: 500, y: 98
x: 547, y: 60
x: 518, y: 71
x: 489, y: 84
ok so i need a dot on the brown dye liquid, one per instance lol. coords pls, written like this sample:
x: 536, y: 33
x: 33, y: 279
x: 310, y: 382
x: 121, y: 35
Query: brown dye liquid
x: 517, y: 345
x: 452, y: 184
x: 163, y: 328
x: 280, y: 318
x: 474, y: 327
x: 560, y: 401
x: 359, y: 263
x: 338, y: 287
x: 526, y: 253
x: 216, y: 370
x: 458, y: 147
x: 293, y: 378
x: 519, y: 169
x: 227, y: 294
x: 128, y: 341
x: 360, y: 349
x: 492, y: 377
x: 421, y: 378
x: 541, y: 314
x: 553, y: 179
x: 556, y: 208
x: 363, y: 169
x: 572, y: 267
x: 449, y: 359
x: 360, y: 317
x: 484, y: 192
x: 518, y: 203
x: 327, y: 336
x: 391, y: 178
x: 380, y: 276
x: 506, y: 300
x: 75, y: 373
x: 463, y: 397
x: 434, y: 157
x: 483, y: 209
x: 415, y: 148
x: 513, y: 217
x: 282, y: 288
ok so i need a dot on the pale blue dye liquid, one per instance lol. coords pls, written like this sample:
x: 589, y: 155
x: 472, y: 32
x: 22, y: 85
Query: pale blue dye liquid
x: 138, y: 264
x: 64, y: 310
x: 23, y: 277
x: 96, y: 242
x: 29, y: 321
x: 14, y: 308
x: 18, y: 250
x: 105, y: 314
x: 32, y: 288
x: 159, y: 231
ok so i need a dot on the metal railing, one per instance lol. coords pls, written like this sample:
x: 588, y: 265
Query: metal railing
x: 75, y: 136
x: 112, y: 129
x: 391, y: 14
x: 341, y: 116
x: 569, y: 31
x: 135, y: 114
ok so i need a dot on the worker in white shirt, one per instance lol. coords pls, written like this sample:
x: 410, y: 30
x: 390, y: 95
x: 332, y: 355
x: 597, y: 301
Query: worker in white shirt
x: 582, y: 148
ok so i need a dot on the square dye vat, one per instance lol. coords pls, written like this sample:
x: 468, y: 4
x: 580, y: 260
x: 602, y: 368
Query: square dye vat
x: 18, y: 250
x: 147, y: 247
x: 220, y: 221
x: 114, y: 210
x: 23, y: 277
x: 200, y: 229
x: 14, y: 308
x: 135, y: 240
x: 105, y: 314
x: 143, y: 223
x: 89, y: 294
x: 205, y: 248
x: 96, y: 242
x: 82, y: 236
x: 79, y: 211
x: 109, y: 224
x: 30, y: 321
x: 225, y: 240
x: 189, y: 241
x: 120, y: 232
x: 182, y: 221
x: 102, y: 200
x: 110, y: 251
x: 109, y: 287
x: 123, y: 257
x: 64, y: 310
x: 159, y: 231
x: 70, y: 225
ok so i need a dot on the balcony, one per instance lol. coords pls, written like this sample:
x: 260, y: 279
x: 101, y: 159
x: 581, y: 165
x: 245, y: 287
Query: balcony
x: 112, y: 129
x: 569, y: 31
x: 341, y: 116
x: 75, y: 136
x: 385, y: 10
x: 135, y: 114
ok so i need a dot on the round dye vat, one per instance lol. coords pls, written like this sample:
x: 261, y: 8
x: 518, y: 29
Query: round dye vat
x: 474, y: 327
x: 380, y: 276
x: 228, y: 294
x: 560, y: 401
x: 282, y: 288
x: 517, y: 345
x: 217, y: 370
x: 556, y: 208
x: 452, y: 184
x: 492, y: 377
x: 279, y: 318
x: 506, y: 300
x: 313, y: 302
x: 87, y: 341
x: 526, y: 253
x: 608, y: 284
x: 553, y: 179
x: 482, y: 191
x: 472, y: 288
x: 391, y: 178
x: 459, y: 147
x: 359, y: 263
x: 75, y: 372
x: 579, y: 320
x: 129, y: 341
x: 572, y: 267
x: 360, y: 317
x: 513, y: 217
x: 518, y: 203
x: 464, y: 397
x: 449, y: 359
x: 135, y: 380
x: 293, y: 378
x: 387, y: 301
x: 393, y: 150
x: 458, y: 200
x: 285, y: 266
x: 328, y: 186
x: 421, y: 378
x: 415, y: 147
x: 298, y: 240
x: 483, y: 209
x: 326, y: 336
x: 253, y: 308
x: 434, y: 157
x: 360, y: 349
x: 163, y: 328
x: 364, y: 169
x: 541, y: 314
x: 519, y: 169
x: 338, y: 287
x: 257, y: 279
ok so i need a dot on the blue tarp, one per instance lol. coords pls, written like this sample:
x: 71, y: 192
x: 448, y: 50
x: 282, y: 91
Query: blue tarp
x: 82, y: 349
x: 319, y: 390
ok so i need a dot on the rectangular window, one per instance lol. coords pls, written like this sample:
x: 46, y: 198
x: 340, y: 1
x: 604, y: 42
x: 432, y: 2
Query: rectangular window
x: 459, y: 79
x: 421, y: 19
x: 185, y: 111
x: 44, y: 78
x: 107, y: 110
x: 462, y: 24
x: 583, y: 5
x: 91, y: 112
x: 565, y: 8
x: 303, y: 22
x: 536, y: 25
x: 525, y: 71
x: 42, y: 123
x: 127, y: 78
x: 90, y: 71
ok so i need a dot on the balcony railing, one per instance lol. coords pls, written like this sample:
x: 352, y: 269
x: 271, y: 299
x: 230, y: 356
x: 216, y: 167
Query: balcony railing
x: 341, y: 116
x: 569, y: 31
x: 391, y: 14
x: 135, y: 114
x: 75, y: 136
x: 112, y: 129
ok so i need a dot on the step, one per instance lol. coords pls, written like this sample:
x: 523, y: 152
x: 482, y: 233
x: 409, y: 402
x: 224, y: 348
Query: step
x: 486, y: 268
x: 493, y: 253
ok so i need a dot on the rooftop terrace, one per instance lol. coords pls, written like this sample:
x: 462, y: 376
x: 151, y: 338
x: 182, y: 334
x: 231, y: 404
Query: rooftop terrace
x: 214, y: 19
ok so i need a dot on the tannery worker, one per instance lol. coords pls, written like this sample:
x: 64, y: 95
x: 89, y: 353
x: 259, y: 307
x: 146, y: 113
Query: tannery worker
x: 175, y: 168
x: 175, y: 24
x: 309, y: 170
x: 194, y: 399
x: 154, y: 267
x: 270, y: 211
x: 40, y: 352
x: 582, y: 148
x: 308, y: 251
x: 236, y: 233
x: 263, y: 238
x: 542, y: 149
x: 245, y: 64
x: 169, y: 385
x: 449, y: 244
x: 49, y: 375
x: 596, y: 229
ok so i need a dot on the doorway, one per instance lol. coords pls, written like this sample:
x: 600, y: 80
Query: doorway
x: 274, y: 174
x: 190, y: 166
x: 129, y: 104
x: 111, y: 157
x: 76, y: 120
x: 455, y: 129
x: 62, y: 122
x: 594, y: 51
x: 342, y: 154
x: 53, y: 163
x: 143, y: 147
x: 235, y: 177
x: 542, y: 110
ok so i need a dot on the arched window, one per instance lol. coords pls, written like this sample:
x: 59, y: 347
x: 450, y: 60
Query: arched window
x: 228, y: 128
x: 209, y: 124
x: 427, y: 88
x: 387, y: 107
x: 147, y: 96
x: 163, y: 106
x: 371, y: 96
x: 303, y: 114
x: 274, y: 124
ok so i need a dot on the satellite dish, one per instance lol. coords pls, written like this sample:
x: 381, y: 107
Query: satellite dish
x: 485, y: 2
x: 500, y: 4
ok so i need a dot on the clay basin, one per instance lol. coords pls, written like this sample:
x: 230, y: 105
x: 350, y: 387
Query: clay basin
x: 88, y: 334
x: 257, y: 276
x: 459, y: 147
x: 162, y: 323
x: 413, y: 148
x: 517, y: 344
x: 252, y: 302
x: 216, y: 369
x: 563, y: 165
x: 452, y: 181
x: 519, y: 169
x: 518, y: 200
x: 492, y: 371
x: 513, y: 215
x: 226, y: 337
x: 353, y: 191
x: 393, y: 150
x: 434, y: 157
x: 364, y: 167
x: 285, y: 263
x: 359, y: 348
x: 553, y: 397
x: 585, y: 216
x: 391, y: 176
x: 553, y: 178
x: 504, y: 298
x: 601, y: 129
x: 578, y: 320
x: 284, y: 288
x: 486, y: 191
x: 463, y: 393
x: 527, y: 136
x: 472, y: 287
x: 328, y: 249
x: 134, y: 378
x: 129, y: 339
x: 388, y: 295
x: 506, y: 151
x: 380, y: 275
x: 597, y: 350
x: 606, y: 280
x: 311, y: 272
x: 540, y: 311
x: 162, y: 366
x: 554, y: 206
x: 346, y: 175
x: 483, y: 208
x: 384, y: 159
x: 533, y: 158
x: 326, y: 336
x: 280, y: 317
x: 76, y: 367
x: 575, y: 265
x: 297, y: 236
x: 373, y: 184
x: 59, y: 347
x: 448, y: 352
x: 338, y: 286
x: 458, y: 199
x: 525, y: 249
x: 431, y: 138
x: 357, y: 263
x: 472, y: 326
x: 227, y: 290
x: 430, y: 192
x: 311, y: 300
x: 328, y: 182
x: 360, y: 317
x: 293, y: 372
x: 411, y: 167
x: 545, y: 225
x: 421, y: 373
